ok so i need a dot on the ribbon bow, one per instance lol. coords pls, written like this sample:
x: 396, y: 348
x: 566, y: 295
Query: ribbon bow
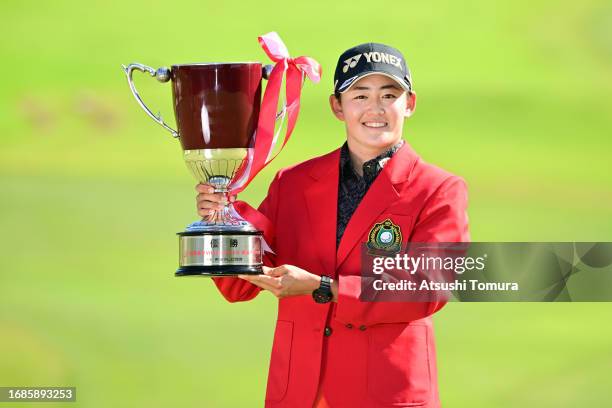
x: 265, y: 139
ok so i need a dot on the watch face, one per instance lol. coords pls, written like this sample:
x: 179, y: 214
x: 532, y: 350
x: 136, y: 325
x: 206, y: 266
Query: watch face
x: 321, y: 296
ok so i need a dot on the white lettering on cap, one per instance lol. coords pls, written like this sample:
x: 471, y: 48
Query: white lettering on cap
x: 383, y: 57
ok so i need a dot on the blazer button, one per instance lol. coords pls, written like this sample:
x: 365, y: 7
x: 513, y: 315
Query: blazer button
x: 327, y: 332
x: 349, y: 326
x: 362, y: 327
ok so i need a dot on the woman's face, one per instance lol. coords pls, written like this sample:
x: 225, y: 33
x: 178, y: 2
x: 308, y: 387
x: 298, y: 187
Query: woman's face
x: 373, y: 110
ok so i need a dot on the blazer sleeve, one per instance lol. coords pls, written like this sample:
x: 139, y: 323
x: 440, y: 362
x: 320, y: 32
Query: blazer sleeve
x: 239, y: 290
x: 442, y: 219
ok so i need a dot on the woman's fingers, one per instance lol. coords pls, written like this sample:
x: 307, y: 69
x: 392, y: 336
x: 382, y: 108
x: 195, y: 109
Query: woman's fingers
x: 265, y: 282
x: 214, y: 197
x: 218, y: 202
x: 208, y: 200
x: 209, y: 203
x: 204, y: 188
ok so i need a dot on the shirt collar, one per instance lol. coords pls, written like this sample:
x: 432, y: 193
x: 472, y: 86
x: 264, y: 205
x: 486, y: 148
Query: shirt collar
x: 371, y: 168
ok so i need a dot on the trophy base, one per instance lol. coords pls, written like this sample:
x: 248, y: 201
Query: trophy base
x: 220, y: 251
x: 212, y: 271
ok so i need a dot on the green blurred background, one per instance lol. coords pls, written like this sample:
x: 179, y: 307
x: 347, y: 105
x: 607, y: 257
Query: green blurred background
x: 513, y: 95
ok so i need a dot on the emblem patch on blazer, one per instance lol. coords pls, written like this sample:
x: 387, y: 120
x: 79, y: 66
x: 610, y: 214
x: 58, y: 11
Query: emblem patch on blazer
x: 384, y: 237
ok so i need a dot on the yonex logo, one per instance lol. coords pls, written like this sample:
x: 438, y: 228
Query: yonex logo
x: 373, y: 56
x: 351, y: 63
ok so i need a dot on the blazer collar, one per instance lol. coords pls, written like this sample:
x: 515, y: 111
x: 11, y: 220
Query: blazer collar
x: 325, y: 165
x: 321, y: 198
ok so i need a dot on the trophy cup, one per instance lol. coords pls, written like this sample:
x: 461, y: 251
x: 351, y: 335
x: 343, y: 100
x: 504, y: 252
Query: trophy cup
x: 217, y: 109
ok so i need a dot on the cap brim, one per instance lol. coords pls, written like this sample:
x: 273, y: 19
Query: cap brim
x: 356, y: 78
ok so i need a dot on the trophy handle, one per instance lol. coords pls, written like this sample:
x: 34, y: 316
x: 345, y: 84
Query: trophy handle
x: 266, y: 70
x: 162, y: 75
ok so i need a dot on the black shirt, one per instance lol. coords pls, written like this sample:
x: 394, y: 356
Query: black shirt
x: 352, y: 187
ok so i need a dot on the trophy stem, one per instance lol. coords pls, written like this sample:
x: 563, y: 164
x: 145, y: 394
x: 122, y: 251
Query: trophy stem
x: 224, y: 217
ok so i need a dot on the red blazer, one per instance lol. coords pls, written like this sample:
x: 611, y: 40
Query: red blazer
x: 378, y: 354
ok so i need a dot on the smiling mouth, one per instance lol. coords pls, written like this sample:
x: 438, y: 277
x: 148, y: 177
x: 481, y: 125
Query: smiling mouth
x: 375, y: 125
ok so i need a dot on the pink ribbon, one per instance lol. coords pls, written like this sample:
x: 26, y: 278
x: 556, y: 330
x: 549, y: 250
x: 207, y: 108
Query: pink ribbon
x: 295, y: 69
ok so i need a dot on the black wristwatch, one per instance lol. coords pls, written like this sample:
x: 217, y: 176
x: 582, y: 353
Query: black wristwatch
x: 324, y: 293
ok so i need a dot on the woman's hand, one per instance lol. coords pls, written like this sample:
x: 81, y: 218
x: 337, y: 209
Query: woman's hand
x: 208, y: 202
x: 285, y: 280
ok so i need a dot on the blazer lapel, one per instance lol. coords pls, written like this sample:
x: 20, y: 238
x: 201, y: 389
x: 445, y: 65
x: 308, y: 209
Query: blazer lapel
x: 322, y: 206
x: 382, y: 193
